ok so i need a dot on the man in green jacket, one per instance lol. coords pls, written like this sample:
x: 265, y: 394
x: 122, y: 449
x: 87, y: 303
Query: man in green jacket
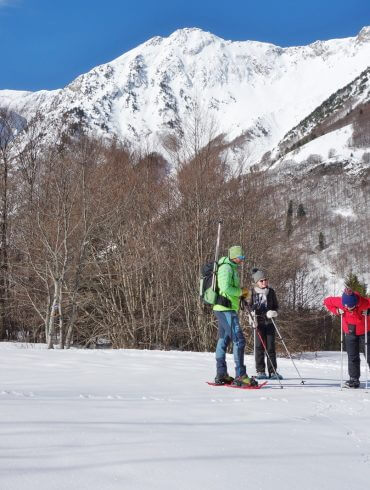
x: 226, y: 312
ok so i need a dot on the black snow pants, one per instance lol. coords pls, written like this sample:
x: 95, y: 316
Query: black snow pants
x: 355, y: 343
x: 267, y: 333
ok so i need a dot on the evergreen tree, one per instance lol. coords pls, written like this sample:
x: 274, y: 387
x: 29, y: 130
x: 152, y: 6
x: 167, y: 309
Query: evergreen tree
x: 301, y: 213
x: 289, y: 219
x: 355, y: 284
x: 321, y: 241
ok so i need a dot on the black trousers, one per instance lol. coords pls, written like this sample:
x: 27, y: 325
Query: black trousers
x: 355, y: 343
x: 267, y: 333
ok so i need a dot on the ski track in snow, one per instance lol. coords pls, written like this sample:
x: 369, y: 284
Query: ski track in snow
x: 16, y: 393
x: 357, y: 437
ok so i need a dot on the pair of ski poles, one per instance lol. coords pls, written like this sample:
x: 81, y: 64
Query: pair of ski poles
x: 365, y: 313
x: 253, y: 322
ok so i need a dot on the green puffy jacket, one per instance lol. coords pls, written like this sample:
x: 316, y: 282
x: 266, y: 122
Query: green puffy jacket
x: 228, y: 284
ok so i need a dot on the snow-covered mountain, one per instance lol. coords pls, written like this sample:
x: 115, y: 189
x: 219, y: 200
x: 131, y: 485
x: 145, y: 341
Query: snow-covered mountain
x: 336, y: 131
x: 257, y: 92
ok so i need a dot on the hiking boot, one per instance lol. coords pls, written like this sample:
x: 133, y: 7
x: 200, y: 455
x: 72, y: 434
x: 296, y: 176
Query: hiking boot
x: 275, y: 376
x: 223, y: 379
x: 352, y: 383
x: 244, y: 381
x: 261, y: 375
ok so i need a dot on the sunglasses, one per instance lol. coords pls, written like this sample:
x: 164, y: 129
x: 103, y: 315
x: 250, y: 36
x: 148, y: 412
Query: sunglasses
x: 263, y: 280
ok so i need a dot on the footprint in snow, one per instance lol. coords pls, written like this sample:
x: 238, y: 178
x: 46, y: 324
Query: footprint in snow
x: 17, y: 393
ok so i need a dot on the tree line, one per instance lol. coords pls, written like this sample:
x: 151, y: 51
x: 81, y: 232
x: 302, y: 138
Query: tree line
x: 98, y: 241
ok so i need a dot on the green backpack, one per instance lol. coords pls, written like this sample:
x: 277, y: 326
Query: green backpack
x: 208, y: 290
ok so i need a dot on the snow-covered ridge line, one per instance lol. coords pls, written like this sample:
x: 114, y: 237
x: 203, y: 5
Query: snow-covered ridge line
x: 248, y: 87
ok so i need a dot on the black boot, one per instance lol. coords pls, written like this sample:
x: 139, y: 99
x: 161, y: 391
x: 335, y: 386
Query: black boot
x: 352, y: 383
x: 245, y: 381
x: 223, y: 379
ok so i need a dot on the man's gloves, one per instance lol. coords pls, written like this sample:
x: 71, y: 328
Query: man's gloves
x: 340, y: 311
x: 245, y: 292
x: 271, y: 314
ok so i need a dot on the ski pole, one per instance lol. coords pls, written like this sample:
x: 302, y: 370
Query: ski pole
x: 341, y: 351
x: 254, y: 323
x: 254, y: 341
x: 287, y: 351
x: 366, y: 356
x: 214, y: 275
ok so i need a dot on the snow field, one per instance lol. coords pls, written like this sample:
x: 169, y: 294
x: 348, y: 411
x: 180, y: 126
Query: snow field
x: 130, y: 419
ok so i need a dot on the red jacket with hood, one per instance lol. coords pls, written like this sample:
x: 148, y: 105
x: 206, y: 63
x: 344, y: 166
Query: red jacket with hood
x: 353, y: 317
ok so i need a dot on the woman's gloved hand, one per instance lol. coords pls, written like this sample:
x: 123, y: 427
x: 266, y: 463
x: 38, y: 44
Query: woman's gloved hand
x: 271, y: 314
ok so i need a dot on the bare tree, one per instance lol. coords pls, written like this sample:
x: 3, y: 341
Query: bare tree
x: 10, y: 125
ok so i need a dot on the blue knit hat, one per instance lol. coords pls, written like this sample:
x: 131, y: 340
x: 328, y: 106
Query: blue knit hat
x: 349, y: 299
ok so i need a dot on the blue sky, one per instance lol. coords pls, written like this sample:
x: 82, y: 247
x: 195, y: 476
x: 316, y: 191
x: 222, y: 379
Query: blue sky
x: 48, y: 43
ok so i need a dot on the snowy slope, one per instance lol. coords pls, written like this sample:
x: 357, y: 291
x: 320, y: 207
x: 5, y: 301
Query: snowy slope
x: 337, y: 111
x: 139, y: 420
x: 332, y: 147
x: 327, y: 132
x: 247, y: 86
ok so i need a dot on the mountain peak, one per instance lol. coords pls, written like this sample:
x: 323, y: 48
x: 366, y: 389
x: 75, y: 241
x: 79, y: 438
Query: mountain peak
x: 191, y: 32
x: 364, y: 34
x: 194, y: 39
x: 256, y: 92
x: 191, y: 40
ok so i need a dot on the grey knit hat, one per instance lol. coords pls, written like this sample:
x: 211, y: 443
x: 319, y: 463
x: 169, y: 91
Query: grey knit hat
x: 257, y: 275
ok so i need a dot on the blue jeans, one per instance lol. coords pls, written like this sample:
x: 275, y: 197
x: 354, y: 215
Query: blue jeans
x: 229, y: 331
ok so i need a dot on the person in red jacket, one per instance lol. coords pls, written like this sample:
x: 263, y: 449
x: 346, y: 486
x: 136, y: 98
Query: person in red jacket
x: 354, y: 308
